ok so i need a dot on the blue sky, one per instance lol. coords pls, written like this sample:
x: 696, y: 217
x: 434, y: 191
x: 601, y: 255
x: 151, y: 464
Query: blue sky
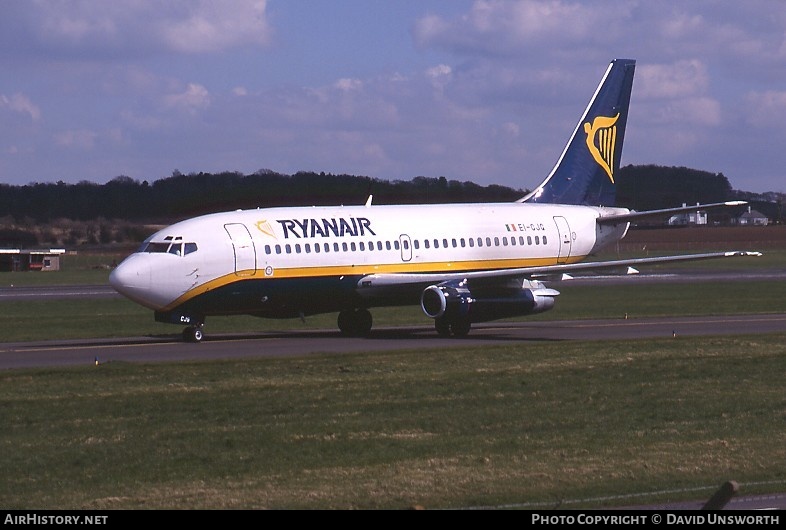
x: 486, y: 91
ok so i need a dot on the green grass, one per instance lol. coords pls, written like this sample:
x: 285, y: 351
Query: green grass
x: 528, y: 425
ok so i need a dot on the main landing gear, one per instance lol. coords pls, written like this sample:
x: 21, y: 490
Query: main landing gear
x: 355, y: 322
x: 193, y: 333
x: 452, y: 327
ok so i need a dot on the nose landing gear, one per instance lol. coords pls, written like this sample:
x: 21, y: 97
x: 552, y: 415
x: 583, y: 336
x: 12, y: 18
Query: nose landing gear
x: 193, y: 333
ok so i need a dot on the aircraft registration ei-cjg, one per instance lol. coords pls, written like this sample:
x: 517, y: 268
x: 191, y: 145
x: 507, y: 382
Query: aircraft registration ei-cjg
x: 463, y: 263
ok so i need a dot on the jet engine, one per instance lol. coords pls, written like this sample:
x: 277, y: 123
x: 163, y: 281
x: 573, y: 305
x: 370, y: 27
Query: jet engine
x: 454, y: 301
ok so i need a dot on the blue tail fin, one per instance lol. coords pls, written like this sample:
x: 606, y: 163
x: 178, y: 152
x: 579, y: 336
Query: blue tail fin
x: 585, y: 172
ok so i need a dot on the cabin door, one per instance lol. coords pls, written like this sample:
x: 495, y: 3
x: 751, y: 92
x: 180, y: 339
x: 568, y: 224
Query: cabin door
x: 243, y: 246
x: 564, y: 239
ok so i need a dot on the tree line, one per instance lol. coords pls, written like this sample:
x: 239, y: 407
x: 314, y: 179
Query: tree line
x: 85, y: 212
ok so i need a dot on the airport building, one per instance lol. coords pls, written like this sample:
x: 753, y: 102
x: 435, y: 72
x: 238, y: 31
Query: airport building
x: 19, y: 260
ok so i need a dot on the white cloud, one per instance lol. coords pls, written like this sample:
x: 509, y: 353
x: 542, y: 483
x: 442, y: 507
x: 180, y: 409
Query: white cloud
x: 216, y: 25
x: 22, y: 104
x: 766, y: 109
x: 503, y: 27
x: 195, y: 97
x: 86, y: 29
x: 680, y: 79
x: 76, y: 139
x: 347, y: 85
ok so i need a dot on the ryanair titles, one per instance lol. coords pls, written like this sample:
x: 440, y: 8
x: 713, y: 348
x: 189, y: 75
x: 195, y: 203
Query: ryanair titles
x: 334, y: 227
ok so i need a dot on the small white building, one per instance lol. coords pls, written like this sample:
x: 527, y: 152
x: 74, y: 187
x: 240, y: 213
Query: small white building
x: 17, y: 260
x: 752, y: 218
x: 699, y: 217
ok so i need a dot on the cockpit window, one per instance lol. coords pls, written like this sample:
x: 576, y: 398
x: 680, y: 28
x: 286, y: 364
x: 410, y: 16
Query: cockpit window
x: 177, y: 247
x: 156, y: 247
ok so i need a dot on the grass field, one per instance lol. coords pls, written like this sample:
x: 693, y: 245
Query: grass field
x: 525, y: 425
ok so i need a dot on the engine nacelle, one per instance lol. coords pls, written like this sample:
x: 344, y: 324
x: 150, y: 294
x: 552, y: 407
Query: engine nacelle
x: 454, y: 299
x: 447, y: 298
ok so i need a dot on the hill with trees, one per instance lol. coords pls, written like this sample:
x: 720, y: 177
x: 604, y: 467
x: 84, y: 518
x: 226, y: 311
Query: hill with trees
x: 88, y: 213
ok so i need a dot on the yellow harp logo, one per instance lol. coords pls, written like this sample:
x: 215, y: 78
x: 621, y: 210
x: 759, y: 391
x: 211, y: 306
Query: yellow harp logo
x: 601, y: 139
x: 264, y: 227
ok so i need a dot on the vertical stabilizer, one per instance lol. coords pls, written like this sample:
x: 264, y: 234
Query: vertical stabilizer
x: 586, y: 171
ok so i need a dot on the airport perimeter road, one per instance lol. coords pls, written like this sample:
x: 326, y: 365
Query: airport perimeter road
x: 222, y: 346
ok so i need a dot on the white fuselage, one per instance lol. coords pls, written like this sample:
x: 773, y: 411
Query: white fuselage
x: 197, y: 256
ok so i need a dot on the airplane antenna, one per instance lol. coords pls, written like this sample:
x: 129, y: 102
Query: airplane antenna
x: 368, y: 201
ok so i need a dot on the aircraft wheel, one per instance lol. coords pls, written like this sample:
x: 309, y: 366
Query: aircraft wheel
x: 193, y: 334
x: 460, y: 327
x: 456, y: 327
x: 442, y: 326
x: 355, y: 322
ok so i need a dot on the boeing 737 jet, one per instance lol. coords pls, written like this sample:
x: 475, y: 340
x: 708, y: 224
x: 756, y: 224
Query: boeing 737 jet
x: 463, y: 263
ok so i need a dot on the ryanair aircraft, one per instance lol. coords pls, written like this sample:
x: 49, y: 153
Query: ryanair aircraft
x: 463, y: 263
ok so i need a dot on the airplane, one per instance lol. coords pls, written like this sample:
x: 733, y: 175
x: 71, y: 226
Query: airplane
x: 463, y: 263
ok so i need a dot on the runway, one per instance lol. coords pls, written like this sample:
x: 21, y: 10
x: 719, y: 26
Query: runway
x: 293, y: 344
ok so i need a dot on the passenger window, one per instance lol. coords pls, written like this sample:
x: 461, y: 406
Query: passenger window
x: 278, y: 249
x: 529, y: 240
x: 544, y: 240
x: 496, y: 241
x: 537, y: 240
x: 267, y: 248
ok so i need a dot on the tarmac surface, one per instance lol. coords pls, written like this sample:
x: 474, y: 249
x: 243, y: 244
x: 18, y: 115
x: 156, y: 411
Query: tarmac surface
x: 167, y: 348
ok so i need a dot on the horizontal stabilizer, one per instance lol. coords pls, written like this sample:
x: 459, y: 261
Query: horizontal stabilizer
x: 630, y: 217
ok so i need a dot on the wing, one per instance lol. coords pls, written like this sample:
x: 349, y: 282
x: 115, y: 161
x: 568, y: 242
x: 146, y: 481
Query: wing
x: 425, y: 279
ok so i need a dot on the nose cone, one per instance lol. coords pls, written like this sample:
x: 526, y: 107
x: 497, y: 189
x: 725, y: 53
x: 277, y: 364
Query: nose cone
x: 132, y: 279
